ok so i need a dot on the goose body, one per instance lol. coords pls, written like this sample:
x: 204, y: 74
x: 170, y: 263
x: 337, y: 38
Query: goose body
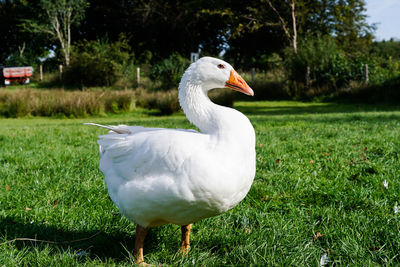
x: 158, y: 176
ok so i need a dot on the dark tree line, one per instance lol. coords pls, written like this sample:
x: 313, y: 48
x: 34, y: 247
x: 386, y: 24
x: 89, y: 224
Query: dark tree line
x: 246, y: 31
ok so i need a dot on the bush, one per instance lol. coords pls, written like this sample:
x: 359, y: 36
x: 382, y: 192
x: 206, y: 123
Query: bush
x: 331, y: 70
x: 100, y: 63
x: 165, y: 101
x: 328, y: 66
x: 267, y: 85
x: 388, y: 92
x: 169, y: 71
x: 382, y: 70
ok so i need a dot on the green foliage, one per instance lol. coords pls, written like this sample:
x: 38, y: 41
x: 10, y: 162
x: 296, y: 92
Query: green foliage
x: 386, y: 71
x: 296, y: 211
x: 386, y: 49
x: 169, y: 71
x: 384, y: 62
x: 70, y: 12
x: 100, y: 63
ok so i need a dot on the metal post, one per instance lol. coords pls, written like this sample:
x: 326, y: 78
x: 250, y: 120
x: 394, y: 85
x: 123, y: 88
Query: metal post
x: 308, y: 77
x: 253, y: 70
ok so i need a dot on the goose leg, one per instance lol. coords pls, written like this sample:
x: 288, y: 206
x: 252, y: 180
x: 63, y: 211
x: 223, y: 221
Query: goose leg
x: 139, y: 240
x: 185, y: 243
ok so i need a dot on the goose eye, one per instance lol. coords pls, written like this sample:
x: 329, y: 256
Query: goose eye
x: 220, y: 66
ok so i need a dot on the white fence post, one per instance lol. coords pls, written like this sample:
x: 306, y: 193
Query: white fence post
x: 308, y: 76
x: 365, y: 74
x: 41, y: 72
x: 61, y: 71
x: 138, y: 76
x: 194, y: 57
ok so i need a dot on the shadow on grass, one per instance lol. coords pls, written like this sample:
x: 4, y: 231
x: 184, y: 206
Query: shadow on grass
x: 313, y: 108
x: 117, y: 246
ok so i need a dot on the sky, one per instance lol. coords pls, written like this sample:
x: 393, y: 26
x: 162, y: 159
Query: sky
x: 386, y: 13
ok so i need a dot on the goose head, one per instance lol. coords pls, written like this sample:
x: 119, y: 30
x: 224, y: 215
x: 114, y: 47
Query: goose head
x: 210, y: 73
x: 203, y: 75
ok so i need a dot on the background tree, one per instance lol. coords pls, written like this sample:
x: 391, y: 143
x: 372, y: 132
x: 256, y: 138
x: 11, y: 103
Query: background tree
x: 244, y: 32
x: 17, y: 46
x: 165, y: 27
x: 343, y: 19
x: 387, y: 49
x: 56, y: 20
x: 291, y: 33
x: 157, y: 29
x: 263, y: 27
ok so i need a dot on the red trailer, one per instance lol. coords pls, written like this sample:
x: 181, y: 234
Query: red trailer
x: 15, y: 74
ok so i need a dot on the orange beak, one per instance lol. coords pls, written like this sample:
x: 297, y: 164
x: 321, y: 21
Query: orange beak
x: 237, y: 83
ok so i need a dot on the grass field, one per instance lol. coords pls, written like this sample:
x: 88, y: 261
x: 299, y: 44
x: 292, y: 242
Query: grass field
x: 318, y: 192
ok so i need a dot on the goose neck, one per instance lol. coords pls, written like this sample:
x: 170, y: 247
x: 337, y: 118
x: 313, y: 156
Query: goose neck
x: 198, y: 108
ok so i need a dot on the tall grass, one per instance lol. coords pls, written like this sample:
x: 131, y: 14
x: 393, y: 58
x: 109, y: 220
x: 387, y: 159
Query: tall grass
x: 27, y: 102
x: 167, y: 101
x: 33, y: 102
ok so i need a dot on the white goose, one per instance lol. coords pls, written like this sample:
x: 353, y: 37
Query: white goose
x: 158, y: 176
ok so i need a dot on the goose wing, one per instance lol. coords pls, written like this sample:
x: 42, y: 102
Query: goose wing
x: 146, y: 152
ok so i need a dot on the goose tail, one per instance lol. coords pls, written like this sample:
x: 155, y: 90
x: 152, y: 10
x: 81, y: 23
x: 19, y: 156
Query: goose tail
x: 116, y: 129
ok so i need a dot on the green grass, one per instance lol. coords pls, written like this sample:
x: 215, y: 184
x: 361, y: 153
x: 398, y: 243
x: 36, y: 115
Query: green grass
x: 320, y: 169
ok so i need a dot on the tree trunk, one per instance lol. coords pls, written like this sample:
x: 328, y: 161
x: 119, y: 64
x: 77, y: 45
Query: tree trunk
x: 68, y: 50
x: 294, y: 39
x: 62, y: 28
x: 21, y: 50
